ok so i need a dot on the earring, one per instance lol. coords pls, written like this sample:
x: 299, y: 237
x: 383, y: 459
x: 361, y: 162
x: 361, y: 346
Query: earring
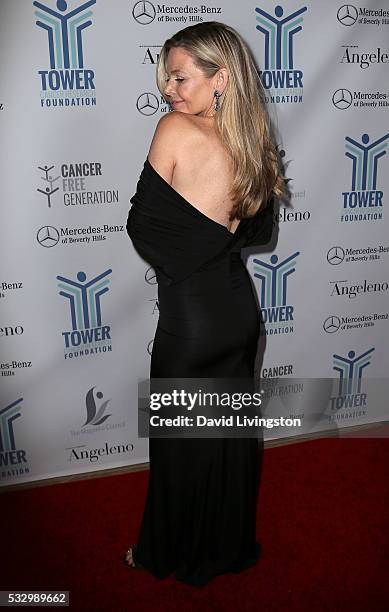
x: 217, y: 95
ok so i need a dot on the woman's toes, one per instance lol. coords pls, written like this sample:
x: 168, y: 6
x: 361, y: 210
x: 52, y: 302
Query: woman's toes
x: 129, y: 557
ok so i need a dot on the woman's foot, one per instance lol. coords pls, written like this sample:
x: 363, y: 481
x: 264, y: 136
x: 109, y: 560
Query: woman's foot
x: 129, y: 559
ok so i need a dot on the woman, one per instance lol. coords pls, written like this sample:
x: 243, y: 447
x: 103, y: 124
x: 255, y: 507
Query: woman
x: 202, y: 196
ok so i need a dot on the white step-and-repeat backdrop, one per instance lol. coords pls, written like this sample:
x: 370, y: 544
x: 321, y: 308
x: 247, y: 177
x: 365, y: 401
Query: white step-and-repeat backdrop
x: 78, y: 307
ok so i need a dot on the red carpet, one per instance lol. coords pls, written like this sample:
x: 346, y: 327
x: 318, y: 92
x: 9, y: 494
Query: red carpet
x: 323, y: 522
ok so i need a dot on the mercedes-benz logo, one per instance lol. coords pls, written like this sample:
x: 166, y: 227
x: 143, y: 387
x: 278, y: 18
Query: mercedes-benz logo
x: 342, y: 99
x: 335, y: 255
x: 347, y: 14
x: 150, y: 276
x: 331, y: 324
x: 47, y: 236
x: 147, y: 104
x: 150, y: 347
x: 143, y: 12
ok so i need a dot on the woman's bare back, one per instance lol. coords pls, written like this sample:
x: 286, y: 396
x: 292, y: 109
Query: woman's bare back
x: 203, y: 170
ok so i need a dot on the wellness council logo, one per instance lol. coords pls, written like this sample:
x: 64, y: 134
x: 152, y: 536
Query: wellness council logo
x: 96, y: 421
x: 68, y: 82
x: 277, y: 312
x: 88, y: 336
x: 280, y: 76
x: 98, y: 412
x: 364, y: 202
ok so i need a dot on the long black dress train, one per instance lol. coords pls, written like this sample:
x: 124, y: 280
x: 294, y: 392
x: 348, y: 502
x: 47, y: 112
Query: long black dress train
x: 200, y: 513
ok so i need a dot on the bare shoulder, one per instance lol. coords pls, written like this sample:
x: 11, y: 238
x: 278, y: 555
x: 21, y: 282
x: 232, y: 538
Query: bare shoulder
x: 173, y: 131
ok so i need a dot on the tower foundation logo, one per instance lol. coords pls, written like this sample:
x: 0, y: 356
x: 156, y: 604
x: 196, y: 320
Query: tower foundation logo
x: 277, y: 313
x: 67, y: 82
x: 88, y: 335
x: 281, y: 78
x: 350, y: 393
x: 364, y: 202
x: 13, y: 460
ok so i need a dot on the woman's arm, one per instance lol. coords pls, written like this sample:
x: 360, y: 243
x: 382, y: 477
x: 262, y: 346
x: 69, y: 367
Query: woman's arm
x: 164, y: 145
x: 261, y: 229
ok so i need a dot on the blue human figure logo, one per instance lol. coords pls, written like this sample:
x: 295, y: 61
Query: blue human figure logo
x: 365, y: 158
x: 64, y: 32
x: 84, y: 298
x: 350, y: 370
x: 7, y: 417
x: 279, y: 35
x: 49, y: 190
x: 274, y: 277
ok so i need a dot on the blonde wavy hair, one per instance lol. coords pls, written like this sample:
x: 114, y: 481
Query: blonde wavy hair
x: 242, y: 122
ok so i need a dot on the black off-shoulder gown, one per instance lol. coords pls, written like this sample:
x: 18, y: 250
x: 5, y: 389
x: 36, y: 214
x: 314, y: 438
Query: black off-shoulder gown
x: 199, y: 518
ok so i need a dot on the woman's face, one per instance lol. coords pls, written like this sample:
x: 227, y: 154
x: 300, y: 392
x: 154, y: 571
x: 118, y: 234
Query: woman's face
x: 186, y: 87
